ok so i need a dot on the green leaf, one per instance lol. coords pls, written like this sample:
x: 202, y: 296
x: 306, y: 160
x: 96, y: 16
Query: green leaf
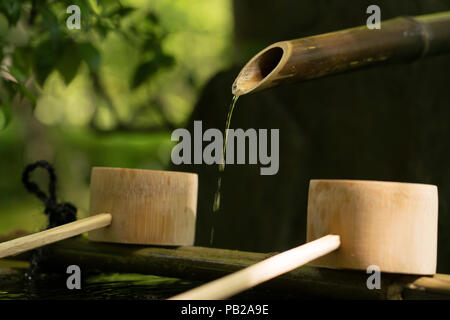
x: 50, y: 22
x: 148, y: 69
x: 12, y: 88
x: 153, y: 17
x: 5, y: 114
x: 4, y: 26
x: 45, y: 58
x: 27, y: 93
x: 69, y: 63
x: 17, y: 74
x: 12, y: 9
x: 90, y: 55
x: 143, y: 72
x: 23, y: 59
x: 151, y: 43
x: 102, y: 29
x: 121, y: 11
x: 65, y: 56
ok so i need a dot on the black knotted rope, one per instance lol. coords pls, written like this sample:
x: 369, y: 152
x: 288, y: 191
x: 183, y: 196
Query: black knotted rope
x: 58, y: 213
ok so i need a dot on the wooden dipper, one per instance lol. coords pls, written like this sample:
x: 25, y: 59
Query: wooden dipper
x: 128, y: 206
x: 352, y: 225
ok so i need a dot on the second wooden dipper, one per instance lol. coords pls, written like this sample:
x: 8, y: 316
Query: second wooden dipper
x: 351, y: 224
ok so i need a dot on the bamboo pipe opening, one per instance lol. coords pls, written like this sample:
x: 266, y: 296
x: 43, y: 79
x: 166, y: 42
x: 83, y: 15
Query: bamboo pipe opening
x: 402, y: 39
x: 258, y: 69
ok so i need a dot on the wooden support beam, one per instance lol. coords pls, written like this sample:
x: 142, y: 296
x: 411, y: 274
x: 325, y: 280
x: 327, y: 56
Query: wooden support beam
x: 205, y: 264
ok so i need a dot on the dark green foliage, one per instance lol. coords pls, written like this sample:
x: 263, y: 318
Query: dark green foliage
x: 5, y: 112
x: 147, y: 69
x: 50, y: 46
x: 90, y: 55
x: 45, y: 59
x: 12, y: 10
x: 69, y: 61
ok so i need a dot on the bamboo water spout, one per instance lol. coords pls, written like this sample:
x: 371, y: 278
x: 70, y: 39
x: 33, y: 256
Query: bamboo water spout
x: 402, y: 39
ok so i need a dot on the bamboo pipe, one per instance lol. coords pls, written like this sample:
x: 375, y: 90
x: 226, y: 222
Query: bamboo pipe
x: 352, y: 224
x: 403, y: 39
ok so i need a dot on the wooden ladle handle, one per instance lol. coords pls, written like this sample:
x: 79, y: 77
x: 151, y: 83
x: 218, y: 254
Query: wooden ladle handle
x: 262, y: 271
x: 65, y: 231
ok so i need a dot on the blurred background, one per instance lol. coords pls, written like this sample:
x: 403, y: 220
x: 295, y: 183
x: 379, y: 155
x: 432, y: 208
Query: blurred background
x: 111, y: 93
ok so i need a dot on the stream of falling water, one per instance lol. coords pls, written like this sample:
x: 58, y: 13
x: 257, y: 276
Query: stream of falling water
x: 216, y: 204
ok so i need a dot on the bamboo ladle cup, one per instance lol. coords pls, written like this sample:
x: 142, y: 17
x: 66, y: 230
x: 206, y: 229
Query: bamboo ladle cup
x: 351, y: 225
x: 128, y: 206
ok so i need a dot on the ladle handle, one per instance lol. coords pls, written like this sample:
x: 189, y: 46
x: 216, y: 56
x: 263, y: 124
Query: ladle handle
x: 39, y: 239
x: 262, y: 271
